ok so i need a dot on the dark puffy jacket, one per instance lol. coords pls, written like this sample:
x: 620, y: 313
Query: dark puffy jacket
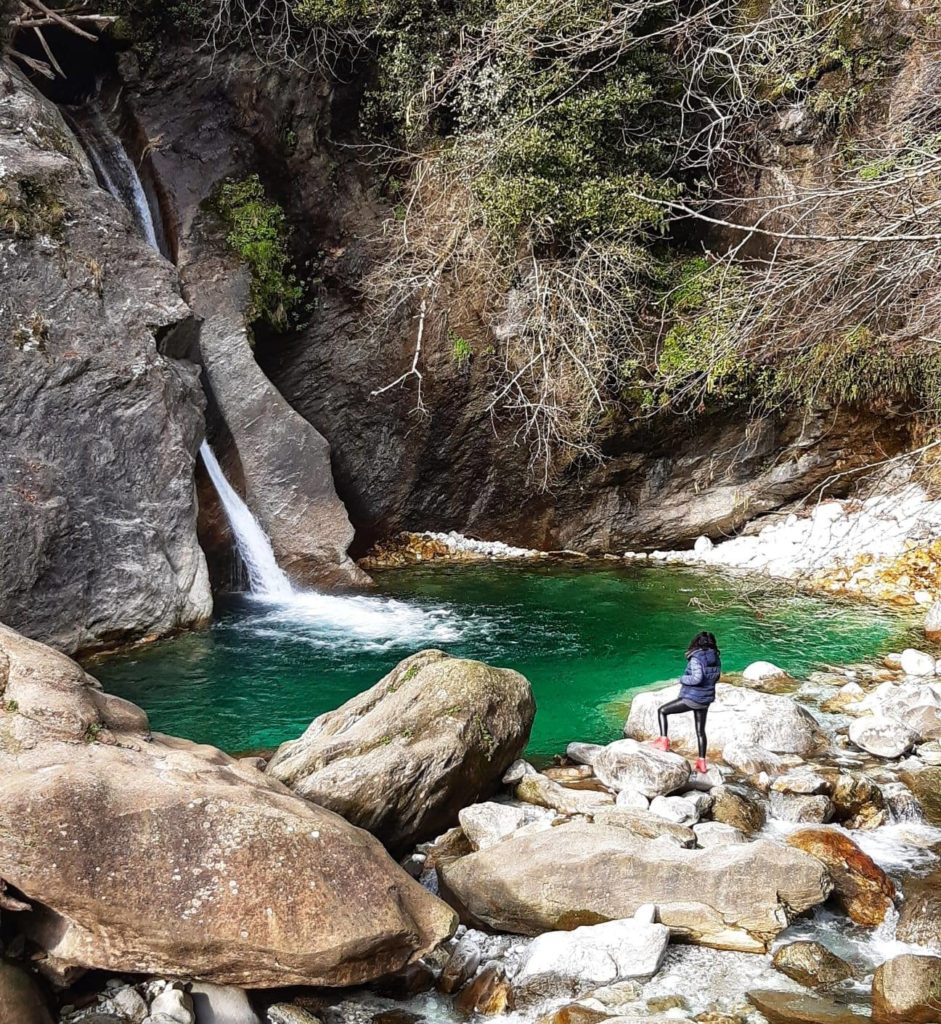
x: 698, y: 682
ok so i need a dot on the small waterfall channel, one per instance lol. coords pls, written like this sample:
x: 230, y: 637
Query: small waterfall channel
x: 116, y: 172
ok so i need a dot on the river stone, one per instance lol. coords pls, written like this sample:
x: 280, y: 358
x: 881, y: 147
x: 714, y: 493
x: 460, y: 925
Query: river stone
x: 857, y: 801
x: 221, y: 1004
x: 916, y: 663
x: 488, y: 994
x: 584, y: 753
x: 487, y: 823
x: 402, y: 758
x: 881, y: 736
x: 460, y: 967
x: 717, y: 833
x: 677, y: 809
x: 645, y: 824
x: 627, y: 764
x: 811, y: 964
x: 803, y: 782
x: 571, y: 963
x: 751, y: 759
x: 211, y: 869
x: 174, y: 1004
x: 632, y: 800
x: 798, y: 1008
x: 732, y: 897
x: 759, y: 670
x: 737, y: 806
x: 907, y: 990
x: 21, y: 1000
x: 739, y: 715
x: 288, y: 1013
x: 543, y: 792
x: 920, y: 914
x: 860, y: 886
x: 803, y: 809
x: 98, y: 430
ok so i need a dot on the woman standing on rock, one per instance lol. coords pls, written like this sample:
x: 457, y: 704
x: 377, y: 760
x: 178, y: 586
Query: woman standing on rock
x: 697, y: 692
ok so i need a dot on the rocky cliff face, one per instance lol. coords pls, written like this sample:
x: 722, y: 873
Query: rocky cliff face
x: 98, y: 431
x: 664, y: 482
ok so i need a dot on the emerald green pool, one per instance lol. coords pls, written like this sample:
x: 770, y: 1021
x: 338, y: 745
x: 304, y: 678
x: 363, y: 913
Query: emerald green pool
x: 586, y: 636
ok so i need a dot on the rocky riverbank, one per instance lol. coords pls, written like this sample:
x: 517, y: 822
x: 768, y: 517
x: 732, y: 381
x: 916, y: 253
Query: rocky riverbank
x: 793, y: 882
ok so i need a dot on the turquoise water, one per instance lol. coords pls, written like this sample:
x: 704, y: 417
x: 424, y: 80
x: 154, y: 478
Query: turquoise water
x: 585, y: 636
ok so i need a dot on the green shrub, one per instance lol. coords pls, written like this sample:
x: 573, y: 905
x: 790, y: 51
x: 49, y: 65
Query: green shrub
x: 257, y: 232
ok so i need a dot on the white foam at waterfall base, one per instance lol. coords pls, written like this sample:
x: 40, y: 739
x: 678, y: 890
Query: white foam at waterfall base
x: 265, y: 576
x: 355, y: 623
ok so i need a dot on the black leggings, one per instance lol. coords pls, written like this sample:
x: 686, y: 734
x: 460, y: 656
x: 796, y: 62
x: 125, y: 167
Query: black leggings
x: 677, y: 707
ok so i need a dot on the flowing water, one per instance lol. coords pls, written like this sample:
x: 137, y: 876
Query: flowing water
x: 585, y: 635
x: 265, y: 576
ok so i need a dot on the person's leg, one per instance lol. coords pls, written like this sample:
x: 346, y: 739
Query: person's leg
x: 699, y: 717
x: 673, y: 707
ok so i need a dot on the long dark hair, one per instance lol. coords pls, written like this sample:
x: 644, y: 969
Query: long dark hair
x: 703, y: 642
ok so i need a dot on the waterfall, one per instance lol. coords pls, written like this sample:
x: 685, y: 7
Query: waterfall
x: 117, y: 174
x: 265, y: 576
x: 114, y: 168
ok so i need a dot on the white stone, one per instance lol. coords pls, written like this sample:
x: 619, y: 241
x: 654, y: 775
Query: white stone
x: 627, y: 764
x: 516, y: 771
x: 739, y: 715
x: 571, y: 963
x: 759, y: 670
x: 583, y: 753
x: 632, y: 799
x: 933, y: 621
x: 174, y: 1004
x: 129, y: 1003
x: 751, y: 759
x: 917, y: 663
x: 703, y: 545
x: 487, y: 823
x: 221, y: 1004
x: 815, y: 810
x: 881, y: 736
x: 675, y: 808
x: 717, y: 833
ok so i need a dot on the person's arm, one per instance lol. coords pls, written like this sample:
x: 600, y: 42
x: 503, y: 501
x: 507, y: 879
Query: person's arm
x: 694, y: 674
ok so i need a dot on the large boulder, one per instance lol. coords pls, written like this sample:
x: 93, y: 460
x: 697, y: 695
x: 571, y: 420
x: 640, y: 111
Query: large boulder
x: 571, y: 963
x: 739, y: 715
x: 151, y: 855
x: 98, y: 430
x: 731, y: 897
x: 402, y: 758
x: 860, y: 886
x: 907, y: 990
x: 628, y: 765
x: 882, y: 736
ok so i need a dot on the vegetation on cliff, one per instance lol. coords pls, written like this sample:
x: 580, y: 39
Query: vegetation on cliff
x: 627, y: 208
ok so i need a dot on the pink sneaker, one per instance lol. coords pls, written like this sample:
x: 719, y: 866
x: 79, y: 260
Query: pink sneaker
x: 701, y: 765
x: 661, y: 743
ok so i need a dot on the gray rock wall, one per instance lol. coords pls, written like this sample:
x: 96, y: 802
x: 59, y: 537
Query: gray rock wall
x: 98, y: 431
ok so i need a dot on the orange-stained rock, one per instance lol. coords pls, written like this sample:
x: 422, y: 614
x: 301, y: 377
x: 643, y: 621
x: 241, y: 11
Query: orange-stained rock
x: 860, y: 886
x: 489, y: 993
